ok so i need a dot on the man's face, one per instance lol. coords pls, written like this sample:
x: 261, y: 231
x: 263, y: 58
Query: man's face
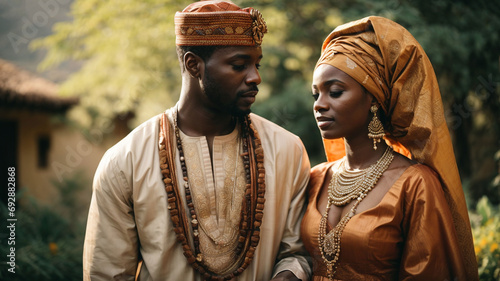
x: 231, y: 77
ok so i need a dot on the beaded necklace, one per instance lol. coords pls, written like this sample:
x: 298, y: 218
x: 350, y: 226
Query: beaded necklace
x: 345, y: 186
x: 186, y: 228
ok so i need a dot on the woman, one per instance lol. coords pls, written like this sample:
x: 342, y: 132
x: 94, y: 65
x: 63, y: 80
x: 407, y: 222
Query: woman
x: 391, y: 209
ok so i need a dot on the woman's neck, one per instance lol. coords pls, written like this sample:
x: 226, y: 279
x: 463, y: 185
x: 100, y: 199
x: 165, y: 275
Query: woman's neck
x: 362, y: 155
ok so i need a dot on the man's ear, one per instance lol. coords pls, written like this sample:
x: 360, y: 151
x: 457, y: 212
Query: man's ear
x: 194, y: 64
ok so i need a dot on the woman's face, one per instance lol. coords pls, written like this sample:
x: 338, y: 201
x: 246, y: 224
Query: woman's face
x: 341, y: 106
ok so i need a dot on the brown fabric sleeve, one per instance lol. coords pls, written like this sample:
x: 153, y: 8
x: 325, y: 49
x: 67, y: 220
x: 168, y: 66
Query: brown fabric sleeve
x: 431, y: 250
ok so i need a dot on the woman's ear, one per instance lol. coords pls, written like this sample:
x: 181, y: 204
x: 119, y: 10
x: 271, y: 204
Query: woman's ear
x: 194, y: 64
x: 371, y: 98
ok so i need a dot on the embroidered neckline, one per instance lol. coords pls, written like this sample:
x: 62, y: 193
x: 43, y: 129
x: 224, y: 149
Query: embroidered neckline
x: 186, y: 228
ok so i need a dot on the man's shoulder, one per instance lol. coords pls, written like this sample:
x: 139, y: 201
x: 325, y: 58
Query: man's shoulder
x: 140, y: 138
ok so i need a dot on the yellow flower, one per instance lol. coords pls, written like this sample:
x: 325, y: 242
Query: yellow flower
x: 477, y: 250
x: 53, y: 248
x: 483, y: 243
x: 493, y: 247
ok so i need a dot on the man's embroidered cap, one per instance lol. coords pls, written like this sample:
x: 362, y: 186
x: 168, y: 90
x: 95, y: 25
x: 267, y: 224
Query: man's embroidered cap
x: 219, y: 23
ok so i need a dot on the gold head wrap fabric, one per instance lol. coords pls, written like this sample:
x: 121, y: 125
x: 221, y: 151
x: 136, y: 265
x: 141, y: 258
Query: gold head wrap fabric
x: 219, y: 23
x: 386, y: 59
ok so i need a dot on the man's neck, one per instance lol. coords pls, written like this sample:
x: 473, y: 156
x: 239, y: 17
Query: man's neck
x: 198, y: 121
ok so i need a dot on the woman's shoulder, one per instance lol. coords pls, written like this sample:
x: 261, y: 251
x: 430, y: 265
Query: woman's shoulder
x: 420, y: 171
x: 420, y: 180
x: 322, y: 168
x: 411, y: 177
x: 318, y: 173
x: 410, y: 169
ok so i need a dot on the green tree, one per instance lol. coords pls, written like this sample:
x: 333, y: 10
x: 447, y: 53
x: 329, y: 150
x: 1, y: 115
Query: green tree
x: 129, y: 62
x: 462, y: 41
x: 127, y: 52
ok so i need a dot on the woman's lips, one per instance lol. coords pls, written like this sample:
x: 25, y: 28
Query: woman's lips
x: 324, y: 122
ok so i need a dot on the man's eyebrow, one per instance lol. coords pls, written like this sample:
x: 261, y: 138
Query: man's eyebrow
x: 244, y: 56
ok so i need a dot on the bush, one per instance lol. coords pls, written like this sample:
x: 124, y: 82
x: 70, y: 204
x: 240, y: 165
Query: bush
x: 48, y: 240
x: 486, y: 232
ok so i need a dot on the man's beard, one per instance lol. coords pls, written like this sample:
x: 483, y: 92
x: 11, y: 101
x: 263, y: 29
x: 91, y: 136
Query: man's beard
x: 213, y: 93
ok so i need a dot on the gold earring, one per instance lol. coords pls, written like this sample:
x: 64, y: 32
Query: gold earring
x: 375, y: 128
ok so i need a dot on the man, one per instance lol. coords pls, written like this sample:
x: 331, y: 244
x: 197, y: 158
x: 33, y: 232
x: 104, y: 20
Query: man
x: 205, y: 191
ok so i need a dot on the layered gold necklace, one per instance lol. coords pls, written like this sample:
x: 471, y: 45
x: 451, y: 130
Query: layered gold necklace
x: 344, y: 187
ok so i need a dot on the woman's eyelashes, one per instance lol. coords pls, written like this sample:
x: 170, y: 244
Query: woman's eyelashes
x: 333, y: 94
x: 336, y: 94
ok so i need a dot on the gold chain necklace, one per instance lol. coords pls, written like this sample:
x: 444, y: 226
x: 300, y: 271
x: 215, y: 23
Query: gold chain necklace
x: 345, y: 186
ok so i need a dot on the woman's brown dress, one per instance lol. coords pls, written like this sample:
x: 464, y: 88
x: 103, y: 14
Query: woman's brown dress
x: 409, y: 235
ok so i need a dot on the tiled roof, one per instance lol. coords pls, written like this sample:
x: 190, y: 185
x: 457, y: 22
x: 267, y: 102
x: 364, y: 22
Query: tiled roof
x: 24, y: 90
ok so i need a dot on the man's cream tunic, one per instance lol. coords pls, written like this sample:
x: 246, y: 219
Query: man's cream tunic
x: 129, y: 220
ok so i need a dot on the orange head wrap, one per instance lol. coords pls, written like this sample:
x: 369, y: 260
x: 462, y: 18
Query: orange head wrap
x: 386, y: 59
x: 219, y: 23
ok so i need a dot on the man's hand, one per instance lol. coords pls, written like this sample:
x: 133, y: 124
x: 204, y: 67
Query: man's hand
x: 286, y: 275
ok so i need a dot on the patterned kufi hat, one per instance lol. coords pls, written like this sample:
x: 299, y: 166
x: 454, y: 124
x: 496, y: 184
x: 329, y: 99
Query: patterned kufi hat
x: 219, y: 23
